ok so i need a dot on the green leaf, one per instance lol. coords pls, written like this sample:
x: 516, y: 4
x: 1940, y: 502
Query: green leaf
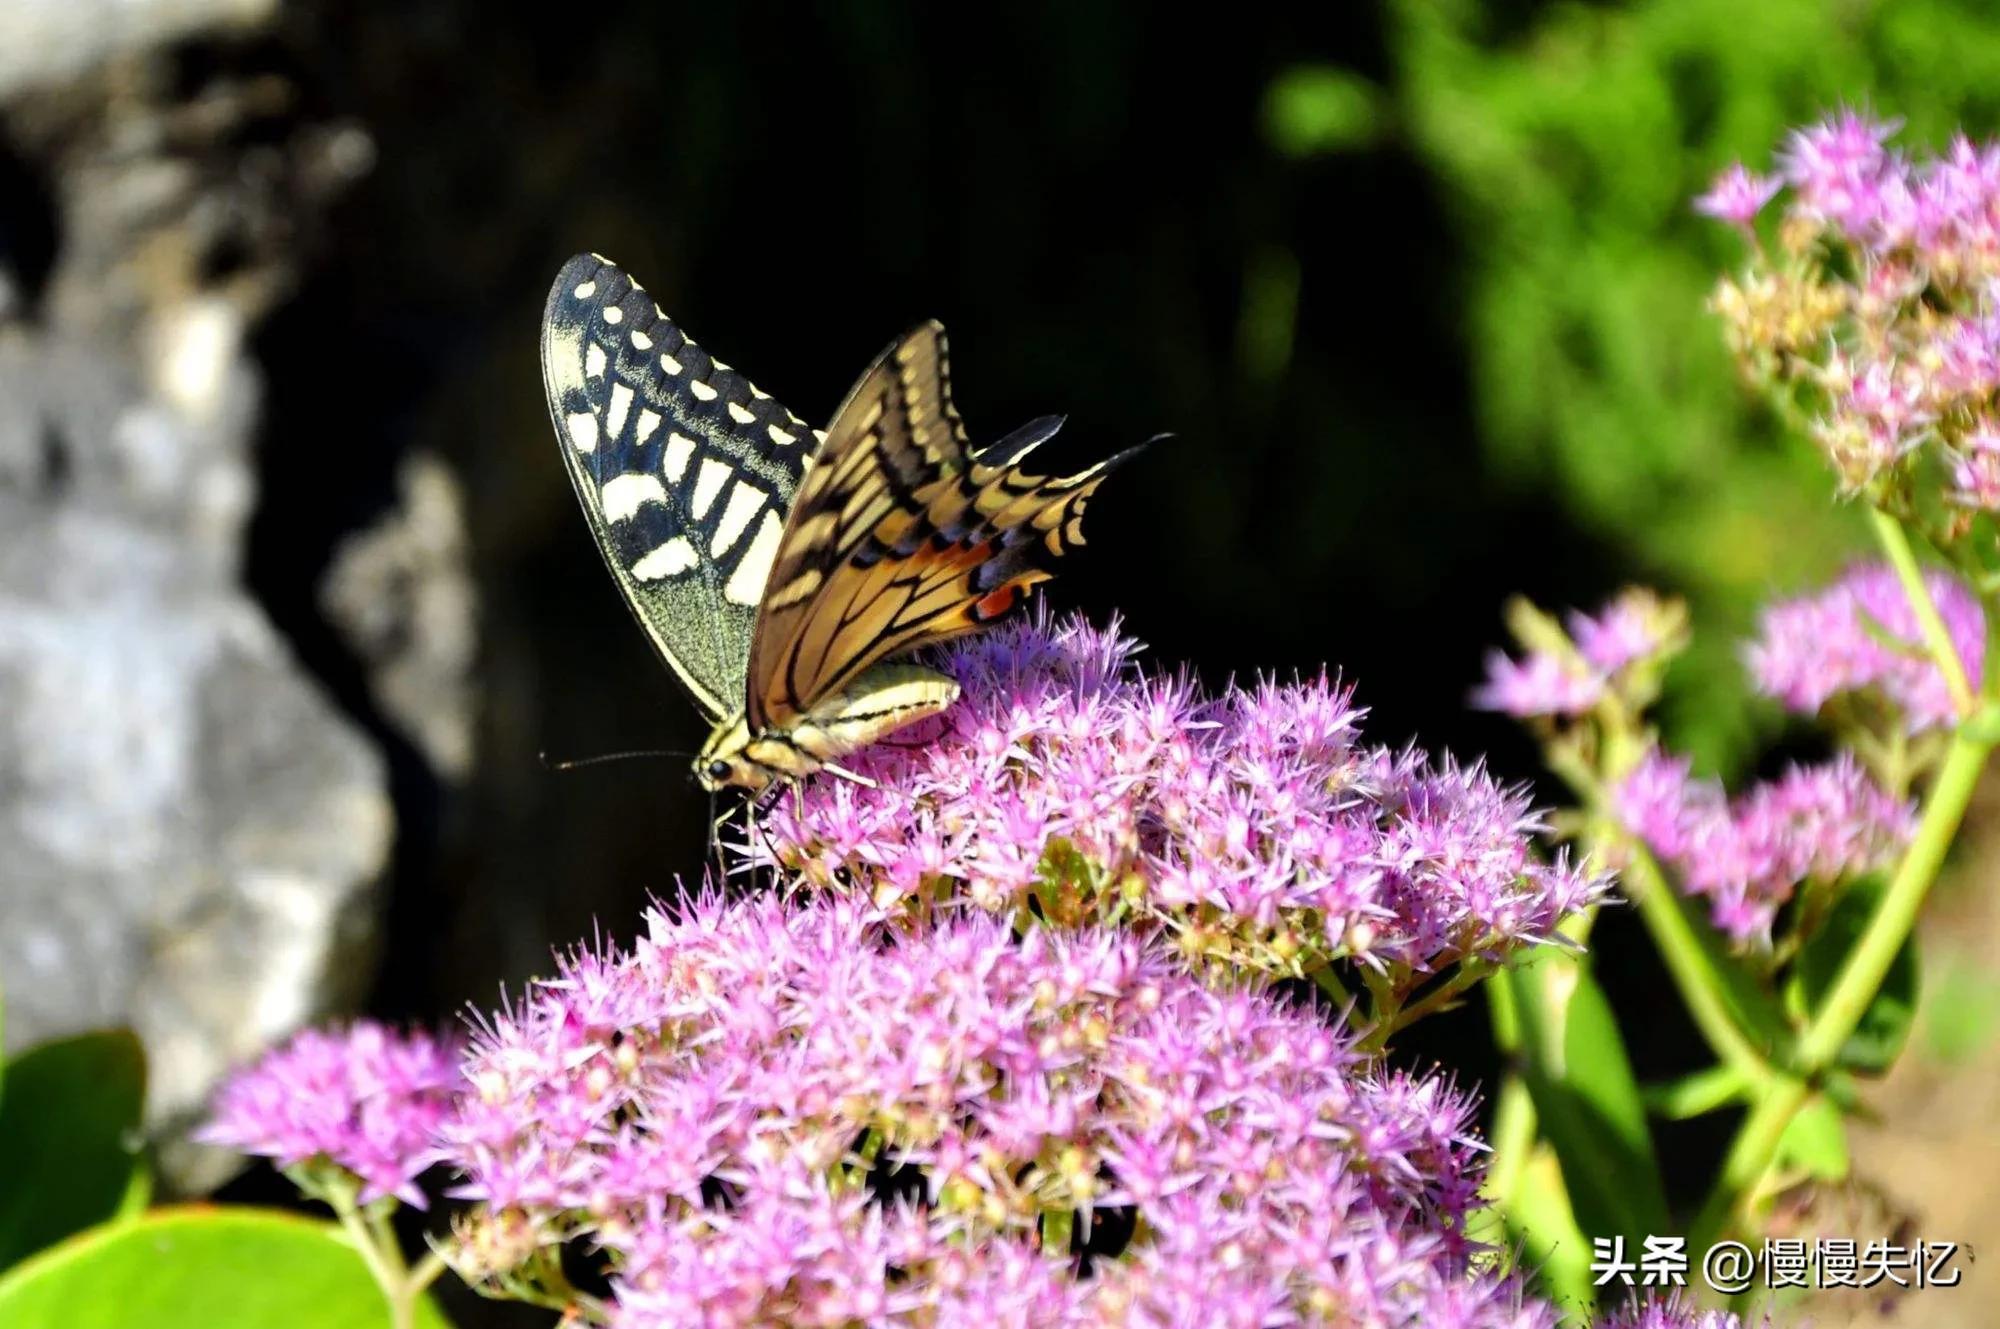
x: 201, y: 1267
x: 1885, y: 1026
x: 1575, y: 1067
x: 1753, y: 1009
x: 1816, y: 1141
x: 1540, y: 1216
x: 69, y: 1136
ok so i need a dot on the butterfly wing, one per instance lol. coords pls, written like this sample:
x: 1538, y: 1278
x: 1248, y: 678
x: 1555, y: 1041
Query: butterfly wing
x: 685, y: 471
x: 901, y: 536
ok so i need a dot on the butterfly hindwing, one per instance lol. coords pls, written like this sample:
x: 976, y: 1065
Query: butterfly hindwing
x: 685, y: 471
x: 901, y: 536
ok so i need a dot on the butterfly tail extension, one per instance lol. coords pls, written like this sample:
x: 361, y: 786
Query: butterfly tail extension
x: 1009, y: 449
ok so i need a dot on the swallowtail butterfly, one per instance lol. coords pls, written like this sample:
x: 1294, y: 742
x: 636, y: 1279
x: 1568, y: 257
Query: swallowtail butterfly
x: 776, y: 568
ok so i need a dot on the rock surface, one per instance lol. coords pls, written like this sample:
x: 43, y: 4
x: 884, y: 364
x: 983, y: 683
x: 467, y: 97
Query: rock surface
x: 191, y: 836
x: 43, y: 42
x: 402, y: 594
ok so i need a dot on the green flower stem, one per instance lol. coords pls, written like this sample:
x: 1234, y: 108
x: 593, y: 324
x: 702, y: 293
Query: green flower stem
x: 1469, y: 972
x: 1702, y: 986
x: 1895, y: 544
x: 1693, y: 1095
x: 1511, y: 1140
x: 1868, y: 963
x: 374, y: 1240
x: 1324, y: 978
x: 1749, y: 1157
x: 364, y: 1245
x: 1756, y: 1143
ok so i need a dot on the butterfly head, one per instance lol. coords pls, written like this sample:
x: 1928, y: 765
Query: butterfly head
x: 724, y: 761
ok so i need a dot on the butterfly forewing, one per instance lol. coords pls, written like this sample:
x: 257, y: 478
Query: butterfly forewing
x: 685, y: 471
x: 900, y: 536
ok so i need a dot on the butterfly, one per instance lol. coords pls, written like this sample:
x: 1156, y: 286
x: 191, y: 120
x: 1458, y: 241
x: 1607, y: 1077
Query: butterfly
x: 777, y: 569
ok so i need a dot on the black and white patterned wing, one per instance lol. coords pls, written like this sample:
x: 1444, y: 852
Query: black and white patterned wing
x: 685, y: 471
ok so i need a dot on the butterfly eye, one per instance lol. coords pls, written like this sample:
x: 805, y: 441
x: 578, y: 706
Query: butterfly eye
x: 718, y: 770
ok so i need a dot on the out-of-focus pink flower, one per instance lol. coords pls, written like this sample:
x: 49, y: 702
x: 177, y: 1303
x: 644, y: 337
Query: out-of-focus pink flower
x: 1737, y: 196
x: 1539, y: 683
x: 1879, y: 302
x: 1975, y: 472
x: 1669, y: 1312
x: 1860, y: 634
x: 1841, y: 168
x: 1635, y: 627
x: 365, y: 1098
x: 1747, y: 857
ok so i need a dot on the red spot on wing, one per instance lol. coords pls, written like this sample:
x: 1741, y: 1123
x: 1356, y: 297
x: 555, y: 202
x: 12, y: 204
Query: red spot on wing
x: 996, y: 602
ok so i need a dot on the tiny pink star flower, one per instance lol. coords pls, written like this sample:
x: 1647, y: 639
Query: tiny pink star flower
x: 1838, y: 169
x: 1738, y: 195
x: 364, y: 1098
x: 1975, y: 470
x: 1669, y: 1312
x: 809, y: 1113
x: 1539, y: 683
x: 1634, y: 626
x: 1860, y: 634
x: 1748, y: 856
x: 1067, y: 776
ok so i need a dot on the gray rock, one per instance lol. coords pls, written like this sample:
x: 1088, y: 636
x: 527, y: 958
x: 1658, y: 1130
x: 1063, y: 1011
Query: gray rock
x: 45, y: 41
x: 192, y: 837
x: 403, y: 596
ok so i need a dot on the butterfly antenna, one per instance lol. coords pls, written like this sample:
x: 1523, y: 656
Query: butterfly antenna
x: 605, y: 758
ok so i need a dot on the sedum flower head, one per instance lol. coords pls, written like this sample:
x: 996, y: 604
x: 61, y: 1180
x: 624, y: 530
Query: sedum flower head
x: 1874, y: 316
x: 1738, y: 195
x: 1568, y: 668
x: 774, y: 1112
x: 364, y: 1098
x: 1669, y: 1312
x: 1821, y: 823
x: 1861, y: 636
x: 1257, y: 825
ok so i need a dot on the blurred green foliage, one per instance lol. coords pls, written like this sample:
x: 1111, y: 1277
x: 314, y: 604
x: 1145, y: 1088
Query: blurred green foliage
x: 1568, y: 140
x: 69, y: 1138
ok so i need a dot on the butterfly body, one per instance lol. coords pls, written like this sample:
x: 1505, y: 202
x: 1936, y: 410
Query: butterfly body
x: 777, y: 570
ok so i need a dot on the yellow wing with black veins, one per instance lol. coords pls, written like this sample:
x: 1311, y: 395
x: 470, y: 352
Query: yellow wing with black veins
x: 900, y: 536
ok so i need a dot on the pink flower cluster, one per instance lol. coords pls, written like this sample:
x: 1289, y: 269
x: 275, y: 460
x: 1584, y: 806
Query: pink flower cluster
x: 773, y: 1114
x: 1257, y: 825
x: 1635, y: 628
x: 1822, y: 823
x: 1672, y: 1312
x: 1899, y: 337
x: 803, y: 1114
x: 1860, y: 635
x: 365, y: 1099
